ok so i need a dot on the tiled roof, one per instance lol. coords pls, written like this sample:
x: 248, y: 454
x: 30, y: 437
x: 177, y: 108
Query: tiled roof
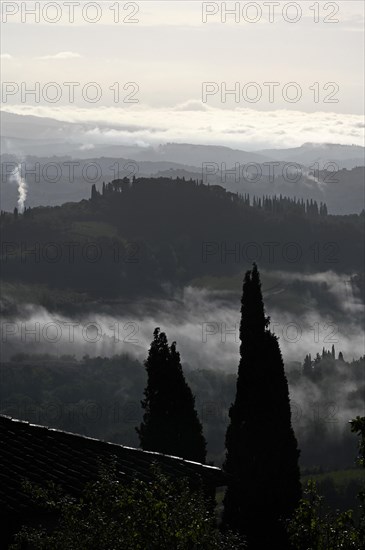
x: 38, y: 453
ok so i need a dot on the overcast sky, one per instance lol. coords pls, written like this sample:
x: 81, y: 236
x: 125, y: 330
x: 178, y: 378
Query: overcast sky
x: 169, y: 53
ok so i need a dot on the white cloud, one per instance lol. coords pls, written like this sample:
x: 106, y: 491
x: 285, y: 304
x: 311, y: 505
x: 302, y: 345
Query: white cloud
x: 239, y: 128
x: 193, y: 105
x: 6, y: 56
x: 87, y: 147
x: 61, y: 55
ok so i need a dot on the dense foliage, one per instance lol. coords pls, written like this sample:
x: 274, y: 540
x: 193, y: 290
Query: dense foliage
x: 170, y: 422
x: 111, y: 515
x: 314, y: 527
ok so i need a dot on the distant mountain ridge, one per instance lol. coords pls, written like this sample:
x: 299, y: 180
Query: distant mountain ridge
x: 326, y: 172
x: 32, y: 135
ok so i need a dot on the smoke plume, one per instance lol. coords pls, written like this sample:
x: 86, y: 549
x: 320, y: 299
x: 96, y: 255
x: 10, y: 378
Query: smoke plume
x: 16, y: 177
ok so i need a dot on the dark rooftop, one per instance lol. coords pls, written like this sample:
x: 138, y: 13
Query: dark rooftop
x: 41, y: 454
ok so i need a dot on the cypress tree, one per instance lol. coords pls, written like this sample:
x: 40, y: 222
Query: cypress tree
x: 262, y: 455
x: 307, y: 366
x: 170, y: 421
x: 94, y: 192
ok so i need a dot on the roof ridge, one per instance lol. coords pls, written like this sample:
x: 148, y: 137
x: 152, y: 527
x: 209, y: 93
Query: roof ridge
x: 103, y: 441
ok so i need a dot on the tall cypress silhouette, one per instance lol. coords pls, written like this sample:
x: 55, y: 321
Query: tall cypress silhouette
x: 262, y: 455
x: 170, y: 422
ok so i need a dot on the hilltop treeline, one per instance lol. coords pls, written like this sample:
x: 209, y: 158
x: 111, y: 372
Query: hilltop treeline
x: 274, y: 204
x: 134, y: 237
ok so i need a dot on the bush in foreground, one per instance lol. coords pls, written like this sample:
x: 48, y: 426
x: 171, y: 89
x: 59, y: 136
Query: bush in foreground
x: 163, y: 514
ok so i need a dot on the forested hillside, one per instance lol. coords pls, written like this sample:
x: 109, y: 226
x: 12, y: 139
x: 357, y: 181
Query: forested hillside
x: 133, y: 238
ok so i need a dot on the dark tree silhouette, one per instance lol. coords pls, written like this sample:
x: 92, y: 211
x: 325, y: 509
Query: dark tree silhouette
x: 307, y: 365
x: 94, y: 193
x: 170, y: 422
x: 262, y: 454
